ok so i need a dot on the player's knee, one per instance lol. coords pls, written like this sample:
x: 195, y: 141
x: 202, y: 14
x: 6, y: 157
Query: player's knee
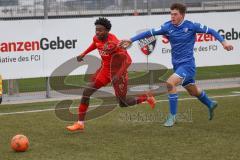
x: 86, y: 95
x: 170, y: 86
x: 85, y: 99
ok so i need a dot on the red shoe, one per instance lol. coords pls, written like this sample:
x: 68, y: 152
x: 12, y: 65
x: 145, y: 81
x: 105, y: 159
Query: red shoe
x: 75, y: 127
x: 151, y: 100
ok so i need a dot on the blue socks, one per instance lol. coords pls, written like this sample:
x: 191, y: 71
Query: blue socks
x: 205, y: 100
x: 173, y: 100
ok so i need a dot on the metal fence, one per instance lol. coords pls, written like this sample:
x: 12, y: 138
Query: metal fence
x: 12, y: 9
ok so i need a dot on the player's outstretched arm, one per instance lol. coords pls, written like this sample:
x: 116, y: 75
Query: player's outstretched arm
x: 152, y: 32
x: 127, y: 43
x: 204, y: 29
x: 224, y: 43
x: 227, y: 46
x: 89, y: 49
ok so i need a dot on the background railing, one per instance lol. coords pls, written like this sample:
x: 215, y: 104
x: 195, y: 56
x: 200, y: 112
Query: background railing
x: 12, y: 9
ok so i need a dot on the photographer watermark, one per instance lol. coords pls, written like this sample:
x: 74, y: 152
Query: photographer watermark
x: 157, y: 116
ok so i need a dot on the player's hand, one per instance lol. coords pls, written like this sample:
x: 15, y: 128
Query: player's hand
x: 227, y: 46
x: 125, y: 43
x: 80, y: 58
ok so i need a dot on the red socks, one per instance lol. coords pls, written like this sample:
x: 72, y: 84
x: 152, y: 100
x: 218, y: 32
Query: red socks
x: 141, y: 98
x: 82, y: 109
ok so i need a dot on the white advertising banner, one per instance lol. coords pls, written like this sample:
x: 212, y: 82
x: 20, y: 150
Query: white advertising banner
x: 35, y: 48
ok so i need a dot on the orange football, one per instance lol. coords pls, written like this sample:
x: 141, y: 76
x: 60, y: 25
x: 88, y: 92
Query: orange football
x: 19, y: 143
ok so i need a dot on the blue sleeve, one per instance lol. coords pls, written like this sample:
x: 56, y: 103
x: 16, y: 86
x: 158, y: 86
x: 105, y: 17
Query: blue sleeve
x: 141, y: 36
x: 199, y: 28
x: 215, y: 34
x: 152, y: 32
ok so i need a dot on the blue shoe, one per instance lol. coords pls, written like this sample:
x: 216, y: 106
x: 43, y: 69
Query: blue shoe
x: 211, y: 110
x: 171, y: 120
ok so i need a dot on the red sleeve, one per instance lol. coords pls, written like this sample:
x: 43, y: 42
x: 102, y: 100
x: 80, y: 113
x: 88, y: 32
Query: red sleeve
x: 89, y: 49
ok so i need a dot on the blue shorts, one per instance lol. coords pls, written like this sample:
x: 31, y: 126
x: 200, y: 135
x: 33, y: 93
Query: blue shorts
x: 186, y: 72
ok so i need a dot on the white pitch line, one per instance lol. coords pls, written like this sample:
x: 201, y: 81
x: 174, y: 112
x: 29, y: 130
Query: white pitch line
x: 52, y: 109
x: 236, y: 92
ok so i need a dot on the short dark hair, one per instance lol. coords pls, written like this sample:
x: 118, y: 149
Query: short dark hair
x: 104, y: 22
x: 179, y: 6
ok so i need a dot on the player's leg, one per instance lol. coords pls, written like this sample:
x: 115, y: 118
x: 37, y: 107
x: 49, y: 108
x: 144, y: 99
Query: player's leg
x: 98, y: 80
x: 83, y: 107
x: 86, y: 98
x: 119, y: 64
x: 183, y: 73
x: 120, y: 88
x: 193, y: 90
x: 131, y: 101
x: 173, y: 81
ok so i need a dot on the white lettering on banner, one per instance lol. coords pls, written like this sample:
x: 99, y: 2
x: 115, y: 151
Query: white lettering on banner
x: 37, y: 47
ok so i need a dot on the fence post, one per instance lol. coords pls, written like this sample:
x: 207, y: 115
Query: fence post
x: 47, y: 87
x: 13, y: 87
x: 149, y: 6
x: 45, y: 6
x: 1, y: 89
x: 135, y: 8
x: 47, y: 78
x: 151, y: 79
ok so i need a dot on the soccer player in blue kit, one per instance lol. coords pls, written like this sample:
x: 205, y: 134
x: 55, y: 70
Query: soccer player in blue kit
x: 181, y: 34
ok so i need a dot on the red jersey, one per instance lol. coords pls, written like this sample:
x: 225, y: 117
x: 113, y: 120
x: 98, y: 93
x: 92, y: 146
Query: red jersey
x: 107, y: 55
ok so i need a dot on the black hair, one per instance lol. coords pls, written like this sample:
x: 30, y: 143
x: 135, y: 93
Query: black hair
x: 104, y: 22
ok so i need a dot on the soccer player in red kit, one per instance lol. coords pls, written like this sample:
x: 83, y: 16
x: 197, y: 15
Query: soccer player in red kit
x: 115, y: 61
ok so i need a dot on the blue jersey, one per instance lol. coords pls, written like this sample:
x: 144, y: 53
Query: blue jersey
x: 182, y: 39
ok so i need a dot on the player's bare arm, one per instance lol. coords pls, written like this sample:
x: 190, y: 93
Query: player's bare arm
x: 227, y: 46
x: 88, y: 50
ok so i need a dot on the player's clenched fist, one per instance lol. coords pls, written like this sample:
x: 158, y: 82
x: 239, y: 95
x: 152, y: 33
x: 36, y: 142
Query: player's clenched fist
x: 227, y: 46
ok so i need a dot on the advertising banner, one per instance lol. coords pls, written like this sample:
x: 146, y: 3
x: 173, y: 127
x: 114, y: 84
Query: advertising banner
x: 35, y: 48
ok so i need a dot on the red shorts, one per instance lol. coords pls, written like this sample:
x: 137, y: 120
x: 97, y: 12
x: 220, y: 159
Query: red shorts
x: 117, y: 66
x: 103, y: 76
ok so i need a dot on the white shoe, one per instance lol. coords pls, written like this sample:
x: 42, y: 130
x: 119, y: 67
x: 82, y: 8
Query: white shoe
x: 170, y: 121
